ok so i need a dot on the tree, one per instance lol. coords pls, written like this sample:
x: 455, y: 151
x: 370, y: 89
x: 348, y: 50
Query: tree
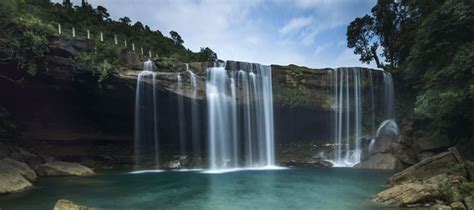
x: 102, y: 13
x: 176, y: 38
x: 381, y: 28
x: 125, y: 20
x: 138, y: 26
x: 208, y: 55
x: 67, y: 3
x: 360, y: 36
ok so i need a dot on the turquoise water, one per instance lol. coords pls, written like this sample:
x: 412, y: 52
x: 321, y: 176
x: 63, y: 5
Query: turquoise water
x: 324, y: 188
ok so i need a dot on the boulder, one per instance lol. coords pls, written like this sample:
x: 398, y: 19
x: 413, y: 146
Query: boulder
x: 469, y: 201
x: 380, y: 161
x: 470, y: 169
x: 174, y: 164
x: 15, y: 176
x: 458, y: 206
x: 429, y: 167
x: 434, y: 141
x: 17, y: 167
x: 68, y: 205
x: 414, y: 192
x: 59, y: 168
x: 408, y: 193
x: 440, y: 207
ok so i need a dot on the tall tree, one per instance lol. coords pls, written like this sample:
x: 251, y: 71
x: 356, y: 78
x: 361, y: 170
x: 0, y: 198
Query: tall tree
x: 102, y: 13
x: 125, y: 20
x: 176, y: 38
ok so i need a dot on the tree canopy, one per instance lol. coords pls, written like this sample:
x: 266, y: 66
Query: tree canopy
x: 26, y: 26
x: 429, y: 46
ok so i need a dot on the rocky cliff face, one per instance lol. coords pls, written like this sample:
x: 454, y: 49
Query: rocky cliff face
x: 65, y: 104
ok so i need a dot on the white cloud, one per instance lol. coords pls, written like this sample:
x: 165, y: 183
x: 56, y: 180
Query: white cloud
x: 239, y: 29
x: 296, y: 24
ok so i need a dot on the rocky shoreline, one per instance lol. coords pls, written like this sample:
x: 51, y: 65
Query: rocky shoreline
x: 444, y: 181
x: 21, y: 168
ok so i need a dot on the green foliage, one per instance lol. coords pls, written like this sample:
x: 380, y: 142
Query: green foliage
x: 33, y: 45
x: 26, y: 26
x: 444, y: 190
x: 466, y: 188
x: 102, y: 60
x: 429, y: 45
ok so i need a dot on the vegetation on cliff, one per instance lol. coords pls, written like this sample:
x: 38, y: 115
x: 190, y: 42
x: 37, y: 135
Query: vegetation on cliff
x: 27, y: 25
x: 429, y: 46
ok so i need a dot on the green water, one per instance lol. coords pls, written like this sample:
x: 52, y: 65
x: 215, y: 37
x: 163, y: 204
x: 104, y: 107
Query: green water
x: 325, y: 188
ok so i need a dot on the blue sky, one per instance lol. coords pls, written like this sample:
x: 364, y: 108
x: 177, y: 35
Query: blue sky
x: 302, y: 32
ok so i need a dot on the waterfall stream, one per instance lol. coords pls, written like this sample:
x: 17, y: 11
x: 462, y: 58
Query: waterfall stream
x: 254, y: 120
x: 239, y: 126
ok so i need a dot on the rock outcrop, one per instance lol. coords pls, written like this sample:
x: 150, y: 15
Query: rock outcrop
x: 438, y: 179
x: 413, y: 192
x: 15, y: 176
x: 59, y: 168
x: 381, y: 161
x: 68, y: 205
x: 427, y: 168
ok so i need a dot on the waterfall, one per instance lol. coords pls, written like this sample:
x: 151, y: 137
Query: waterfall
x: 196, y: 134
x: 146, y: 133
x: 347, y: 116
x: 181, y: 116
x: 247, y: 110
x: 349, y: 94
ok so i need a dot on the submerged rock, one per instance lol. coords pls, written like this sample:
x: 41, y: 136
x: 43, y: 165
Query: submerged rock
x: 15, y: 176
x: 59, y: 168
x: 68, y: 205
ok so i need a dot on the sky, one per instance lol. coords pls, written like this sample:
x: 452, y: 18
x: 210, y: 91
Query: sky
x: 303, y: 32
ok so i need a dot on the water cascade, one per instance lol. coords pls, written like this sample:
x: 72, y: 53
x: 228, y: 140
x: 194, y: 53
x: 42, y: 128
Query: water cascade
x: 350, y: 95
x: 195, y: 116
x: 240, y: 101
x: 181, y: 116
x: 146, y: 118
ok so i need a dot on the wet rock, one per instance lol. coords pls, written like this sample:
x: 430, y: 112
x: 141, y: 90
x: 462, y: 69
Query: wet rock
x: 59, y: 168
x: 458, y: 206
x: 438, y: 164
x: 68, y: 205
x: 174, y: 164
x: 380, y: 161
x: 308, y: 163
